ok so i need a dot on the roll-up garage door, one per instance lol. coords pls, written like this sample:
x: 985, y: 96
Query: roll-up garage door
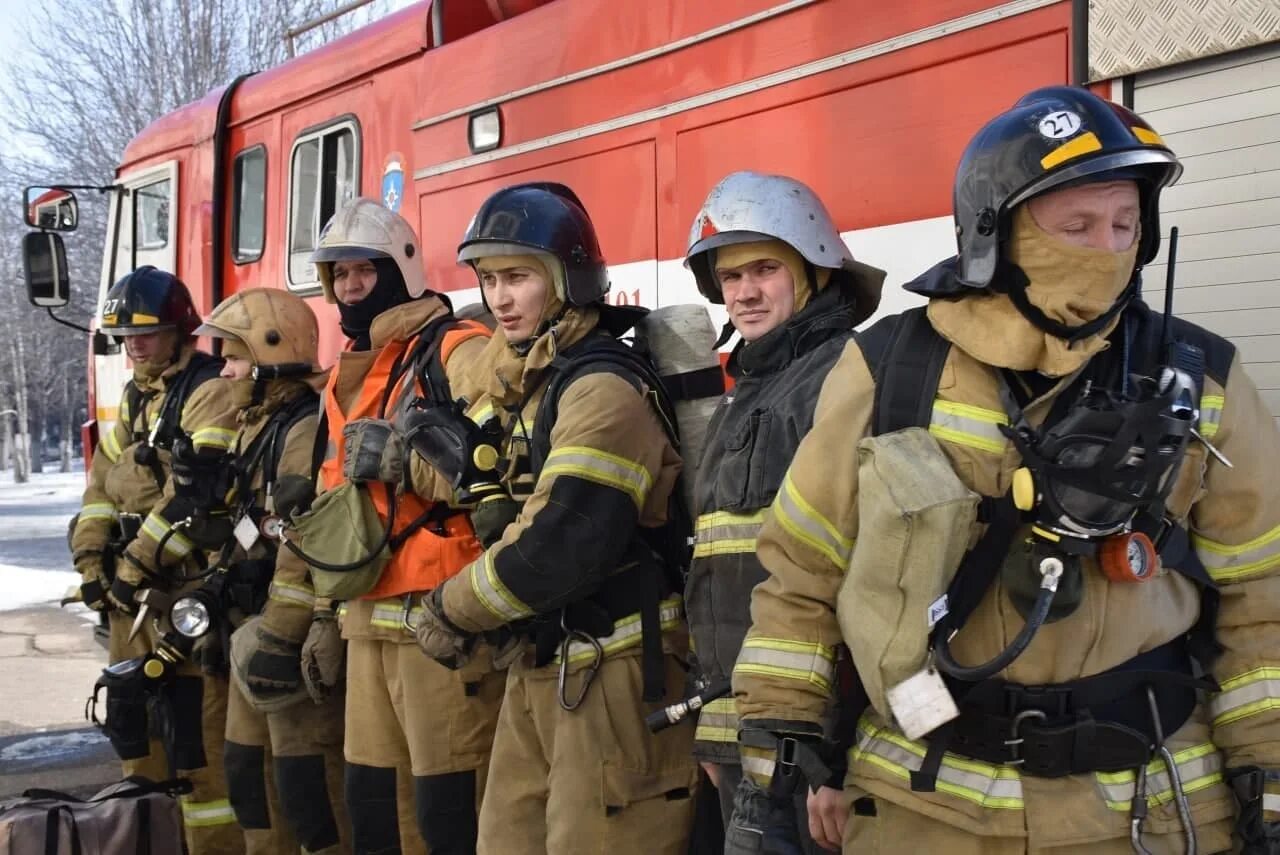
x: 1222, y: 117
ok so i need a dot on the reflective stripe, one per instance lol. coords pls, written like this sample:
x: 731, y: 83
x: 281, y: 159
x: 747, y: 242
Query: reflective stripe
x: 814, y: 664
x: 292, y: 595
x: 1271, y: 802
x: 483, y: 414
x: 601, y: 467
x: 718, y: 721
x: 985, y: 785
x: 1247, y: 694
x: 207, y: 813
x: 1198, y: 767
x: 1211, y: 414
x: 390, y: 614
x: 99, y: 511
x: 808, y: 526
x: 724, y: 533
x: 157, y: 527
x: 491, y: 593
x: 964, y: 424
x: 760, y: 768
x: 213, y: 437
x: 626, y: 633
x: 110, y: 446
x: 1233, y: 563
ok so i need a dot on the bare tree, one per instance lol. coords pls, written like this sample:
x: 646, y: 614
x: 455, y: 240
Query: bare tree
x: 93, y: 74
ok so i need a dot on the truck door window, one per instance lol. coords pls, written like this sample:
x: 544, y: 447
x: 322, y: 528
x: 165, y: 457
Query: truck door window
x: 151, y: 215
x: 323, y: 173
x: 248, y: 229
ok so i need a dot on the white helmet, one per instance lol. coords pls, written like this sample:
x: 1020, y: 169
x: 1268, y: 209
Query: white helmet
x: 747, y: 206
x: 363, y: 229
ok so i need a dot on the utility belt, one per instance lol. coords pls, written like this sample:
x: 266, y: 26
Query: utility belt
x: 579, y: 626
x: 248, y: 584
x: 1109, y: 722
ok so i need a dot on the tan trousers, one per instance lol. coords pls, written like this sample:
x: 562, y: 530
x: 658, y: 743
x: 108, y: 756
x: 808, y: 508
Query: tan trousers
x: 284, y: 776
x: 413, y: 724
x: 155, y: 765
x: 589, y: 782
x: 200, y: 709
x: 897, y: 830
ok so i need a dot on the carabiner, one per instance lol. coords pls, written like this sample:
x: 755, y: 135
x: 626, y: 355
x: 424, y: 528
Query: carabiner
x: 589, y: 675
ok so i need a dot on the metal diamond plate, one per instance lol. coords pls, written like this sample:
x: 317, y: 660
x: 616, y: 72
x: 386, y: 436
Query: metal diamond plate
x: 1126, y: 36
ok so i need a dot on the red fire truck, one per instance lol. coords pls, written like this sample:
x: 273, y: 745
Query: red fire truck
x: 639, y: 106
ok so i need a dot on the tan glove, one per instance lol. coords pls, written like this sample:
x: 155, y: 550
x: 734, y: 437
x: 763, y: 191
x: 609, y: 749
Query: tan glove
x: 373, y: 451
x: 93, y: 581
x: 323, y: 657
x: 438, y: 637
x: 266, y: 667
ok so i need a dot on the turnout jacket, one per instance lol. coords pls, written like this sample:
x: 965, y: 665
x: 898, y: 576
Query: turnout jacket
x: 751, y: 439
x: 784, y: 675
x: 610, y: 469
x: 119, y: 484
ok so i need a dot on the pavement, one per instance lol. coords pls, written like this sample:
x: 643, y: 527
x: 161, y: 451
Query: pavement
x: 49, y: 659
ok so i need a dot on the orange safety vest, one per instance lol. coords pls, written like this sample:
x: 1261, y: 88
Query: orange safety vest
x: 427, y: 556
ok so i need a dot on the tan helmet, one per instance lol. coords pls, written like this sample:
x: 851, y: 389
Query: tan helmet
x: 363, y: 229
x: 276, y: 327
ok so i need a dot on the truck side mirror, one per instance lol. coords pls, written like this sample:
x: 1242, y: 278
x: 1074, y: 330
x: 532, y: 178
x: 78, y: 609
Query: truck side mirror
x: 51, y: 208
x: 44, y: 264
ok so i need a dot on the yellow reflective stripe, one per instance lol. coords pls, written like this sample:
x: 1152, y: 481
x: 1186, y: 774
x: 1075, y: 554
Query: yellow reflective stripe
x: 157, y: 527
x: 718, y: 721
x: 1211, y: 414
x: 291, y: 595
x: 217, y: 812
x: 814, y: 664
x: 483, y: 414
x: 1247, y: 694
x: 390, y: 614
x: 491, y: 593
x: 109, y: 445
x: 99, y: 511
x: 724, y: 533
x: 603, y: 468
x: 808, y: 526
x: 758, y: 765
x: 1233, y: 563
x: 626, y: 633
x: 213, y: 437
x: 983, y: 784
x: 964, y: 424
x: 1199, y: 766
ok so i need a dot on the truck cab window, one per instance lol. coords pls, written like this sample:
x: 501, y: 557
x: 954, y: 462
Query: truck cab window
x: 248, y: 229
x: 323, y: 173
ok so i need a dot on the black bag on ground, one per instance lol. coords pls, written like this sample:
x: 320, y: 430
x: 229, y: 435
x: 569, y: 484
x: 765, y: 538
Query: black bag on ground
x: 132, y: 817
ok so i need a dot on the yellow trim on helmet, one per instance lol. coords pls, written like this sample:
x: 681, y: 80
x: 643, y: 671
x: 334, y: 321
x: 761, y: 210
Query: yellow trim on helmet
x: 1071, y: 149
x: 139, y: 318
x: 1147, y: 136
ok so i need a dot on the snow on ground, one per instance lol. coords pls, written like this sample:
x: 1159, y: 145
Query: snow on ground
x: 35, y: 563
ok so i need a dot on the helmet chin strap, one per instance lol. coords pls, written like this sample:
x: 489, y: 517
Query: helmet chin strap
x: 1010, y: 279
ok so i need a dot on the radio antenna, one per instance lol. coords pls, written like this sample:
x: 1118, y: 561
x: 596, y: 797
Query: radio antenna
x: 1167, y: 329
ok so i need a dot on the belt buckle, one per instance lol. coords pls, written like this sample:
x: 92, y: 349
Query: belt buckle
x: 1014, y: 740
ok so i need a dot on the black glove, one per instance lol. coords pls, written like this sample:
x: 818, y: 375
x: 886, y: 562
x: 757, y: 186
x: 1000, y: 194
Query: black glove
x: 372, y: 451
x: 1258, y: 836
x: 200, y: 478
x: 762, y: 824
x: 121, y: 595
x: 465, y: 453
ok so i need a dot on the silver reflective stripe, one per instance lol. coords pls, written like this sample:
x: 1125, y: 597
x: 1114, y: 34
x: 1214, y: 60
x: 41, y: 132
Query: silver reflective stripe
x: 626, y: 633
x: 208, y: 813
x: 391, y: 615
x: 760, y: 768
x: 1271, y: 802
x: 981, y: 783
x: 99, y: 511
x: 718, y: 721
x: 1245, y: 695
x: 968, y: 425
x: 1231, y: 563
x: 723, y: 533
x: 1211, y: 414
x: 157, y: 527
x: 292, y: 594
x: 804, y: 523
x: 1198, y: 767
x: 601, y: 467
x: 491, y: 593
x: 795, y: 660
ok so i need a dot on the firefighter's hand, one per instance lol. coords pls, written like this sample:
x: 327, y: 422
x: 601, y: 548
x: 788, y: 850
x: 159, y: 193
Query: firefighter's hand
x: 827, y: 815
x: 322, y: 656
x: 373, y: 450
x: 268, y: 667
x: 492, y: 516
x: 93, y: 585
x: 438, y: 637
x: 121, y: 596
x: 464, y: 453
x: 199, y: 477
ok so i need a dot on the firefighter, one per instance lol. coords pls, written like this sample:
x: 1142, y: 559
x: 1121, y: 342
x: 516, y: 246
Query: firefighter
x: 1118, y: 531
x: 174, y: 413
x: 765, y: 247
x: 418, y: 735
x: 283, y: 750
x: 573, y: 587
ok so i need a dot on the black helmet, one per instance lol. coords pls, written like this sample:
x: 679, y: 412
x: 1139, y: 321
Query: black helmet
x: 1053, y: 137
x: 148, y: 300
x: 545, y: 217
